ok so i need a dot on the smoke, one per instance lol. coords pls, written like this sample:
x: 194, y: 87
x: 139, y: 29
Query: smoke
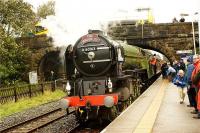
x: 56, y: 31
x: 73, y: 18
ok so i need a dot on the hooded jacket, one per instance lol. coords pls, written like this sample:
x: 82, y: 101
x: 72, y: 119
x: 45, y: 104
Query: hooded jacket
x: 196, y: 70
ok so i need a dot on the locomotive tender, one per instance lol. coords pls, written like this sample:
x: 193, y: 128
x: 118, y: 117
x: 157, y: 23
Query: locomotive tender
x: 98, y: 87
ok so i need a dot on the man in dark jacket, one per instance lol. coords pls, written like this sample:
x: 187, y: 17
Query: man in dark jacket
x: 190, y: 88
x: 182, y: 65
x: 164, y: 69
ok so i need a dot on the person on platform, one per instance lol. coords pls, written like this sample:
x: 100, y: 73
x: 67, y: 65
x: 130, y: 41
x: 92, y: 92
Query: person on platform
x: 180, y: 81
x: 164, y: 69
x: 190, y: 88
x: 176, y: 66
x: 196, y: 81
x: 182, y: 65
x: 171, y: 72
x: 153, y: 62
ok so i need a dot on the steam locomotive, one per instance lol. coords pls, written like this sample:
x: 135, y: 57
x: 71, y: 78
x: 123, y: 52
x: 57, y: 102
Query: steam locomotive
x: 99, y: 88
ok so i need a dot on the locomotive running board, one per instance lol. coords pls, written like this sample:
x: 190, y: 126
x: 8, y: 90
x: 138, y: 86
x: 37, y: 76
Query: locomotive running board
x: 93, y: 100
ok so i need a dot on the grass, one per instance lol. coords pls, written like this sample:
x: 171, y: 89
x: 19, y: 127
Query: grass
x: 23, y: 104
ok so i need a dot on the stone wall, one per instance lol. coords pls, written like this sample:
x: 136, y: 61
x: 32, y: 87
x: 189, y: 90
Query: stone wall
x: 165, y: 38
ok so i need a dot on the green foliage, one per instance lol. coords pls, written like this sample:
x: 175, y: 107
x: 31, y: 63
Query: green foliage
x: 13, y: 58
x: 16, y: 17
x: 46, y: 9
x: 10, y: 108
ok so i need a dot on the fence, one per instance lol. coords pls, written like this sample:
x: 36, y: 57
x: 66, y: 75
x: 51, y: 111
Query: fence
x: 17, y: 92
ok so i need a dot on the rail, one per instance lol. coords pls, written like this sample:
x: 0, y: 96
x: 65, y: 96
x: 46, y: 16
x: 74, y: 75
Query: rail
x: 38, y: 122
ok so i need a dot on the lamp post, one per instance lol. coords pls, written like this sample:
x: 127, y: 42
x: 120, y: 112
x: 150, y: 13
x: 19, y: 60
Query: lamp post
x: 193, y: 34
x: 142, y: 21
x: 199, y: 31
x: 198, y: 22
x: 198, y: 13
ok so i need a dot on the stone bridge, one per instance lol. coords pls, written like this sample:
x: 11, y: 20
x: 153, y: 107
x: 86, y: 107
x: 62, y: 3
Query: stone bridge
x: 165, y: 38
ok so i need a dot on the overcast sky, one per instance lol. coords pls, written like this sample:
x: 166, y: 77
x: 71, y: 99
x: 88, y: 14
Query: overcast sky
x: 74, y: 17
x: 163, y: 10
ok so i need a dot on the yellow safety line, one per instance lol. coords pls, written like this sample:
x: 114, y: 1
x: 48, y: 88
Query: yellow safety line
x: 146, y: 123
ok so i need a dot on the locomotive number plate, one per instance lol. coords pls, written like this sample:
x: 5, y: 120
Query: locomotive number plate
x: 87, y: 49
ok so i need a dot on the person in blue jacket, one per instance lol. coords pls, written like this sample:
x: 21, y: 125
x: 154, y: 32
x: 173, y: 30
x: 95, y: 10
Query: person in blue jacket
x: 180, y: 81
x: 190, y: 87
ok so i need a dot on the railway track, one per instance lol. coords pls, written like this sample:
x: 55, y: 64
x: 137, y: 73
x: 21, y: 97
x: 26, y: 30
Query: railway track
x: 153, y: 78
x: 79, y: 128
x: 85, y: 129
x: 38, y: 122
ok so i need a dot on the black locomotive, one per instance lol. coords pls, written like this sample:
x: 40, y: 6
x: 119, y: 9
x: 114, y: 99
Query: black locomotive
x: 97, y: 86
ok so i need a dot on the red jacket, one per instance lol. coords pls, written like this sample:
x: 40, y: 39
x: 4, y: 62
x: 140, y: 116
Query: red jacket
x: 195, y: 71
x: 153, y: 61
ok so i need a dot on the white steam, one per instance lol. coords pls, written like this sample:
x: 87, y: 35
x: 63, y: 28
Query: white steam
x: 56, y: 30
x: 74, y: 18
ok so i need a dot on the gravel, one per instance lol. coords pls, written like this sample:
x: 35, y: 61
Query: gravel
x: 63, y: 125
x: 27, y: 114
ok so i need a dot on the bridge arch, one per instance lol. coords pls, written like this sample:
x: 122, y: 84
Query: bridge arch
x: 165, y: 38
x: 49, y: 63
x: 155, y: 47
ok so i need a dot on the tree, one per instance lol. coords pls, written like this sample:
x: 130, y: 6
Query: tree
x: 46, y: 9
x: 13, y: 59
x: 16, y: 17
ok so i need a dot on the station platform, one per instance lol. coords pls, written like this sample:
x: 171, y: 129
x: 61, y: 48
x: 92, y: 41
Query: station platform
x: 157, y: 110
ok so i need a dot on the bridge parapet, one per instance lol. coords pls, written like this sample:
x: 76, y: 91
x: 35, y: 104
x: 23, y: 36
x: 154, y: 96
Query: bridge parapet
x: 165, y: 38
x: 162, y: 30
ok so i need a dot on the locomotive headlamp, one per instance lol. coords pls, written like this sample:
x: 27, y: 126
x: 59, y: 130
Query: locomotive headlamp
x: 109, y: 85
x: 68, y: 88
x: 108, y: 101
x: 89, y: 91
x: 91, y: 55
x: 64, y: 103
